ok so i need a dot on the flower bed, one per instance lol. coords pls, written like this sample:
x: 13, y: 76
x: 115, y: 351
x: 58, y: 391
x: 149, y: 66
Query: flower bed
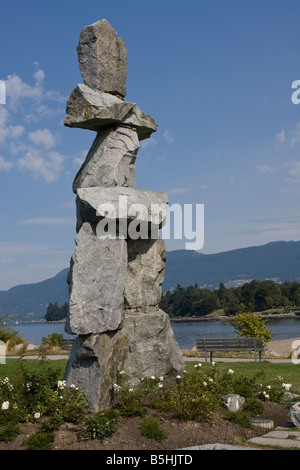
x: 37, y: 403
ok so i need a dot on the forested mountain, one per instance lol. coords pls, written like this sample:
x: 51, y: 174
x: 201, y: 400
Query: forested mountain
x: 279, y: 261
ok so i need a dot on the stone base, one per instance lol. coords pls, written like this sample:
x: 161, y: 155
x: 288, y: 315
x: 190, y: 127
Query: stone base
x: 143, y: 347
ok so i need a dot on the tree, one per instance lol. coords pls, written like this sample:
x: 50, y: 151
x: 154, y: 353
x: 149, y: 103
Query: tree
x: 56, y: 313
x: 249, y: 325
x: 268, y: 295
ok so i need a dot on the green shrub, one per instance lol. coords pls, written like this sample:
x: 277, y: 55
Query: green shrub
x: 253, y: 406
x: 9, y: 432
x: 39, y: 392
x: 245, y: 386
x: 102, y: 424
x: 151, y: 429
x: 40, y: 441
x: 55, y: 339
x: 51, y: 424
x: 239, y: 417
x: 130, y: 400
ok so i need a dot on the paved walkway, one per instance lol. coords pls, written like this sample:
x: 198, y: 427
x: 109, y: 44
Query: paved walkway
x: 281, y: 438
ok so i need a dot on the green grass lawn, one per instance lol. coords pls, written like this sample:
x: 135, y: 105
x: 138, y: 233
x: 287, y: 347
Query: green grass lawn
x: 10, y: 368
x: 289, y: 371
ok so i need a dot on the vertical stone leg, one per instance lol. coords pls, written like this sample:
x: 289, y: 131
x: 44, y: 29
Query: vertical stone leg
x: 96, y: 283
x: 145, y: 274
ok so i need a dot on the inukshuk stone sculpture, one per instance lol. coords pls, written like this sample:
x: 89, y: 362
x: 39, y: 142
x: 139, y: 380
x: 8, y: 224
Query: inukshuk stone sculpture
x: 114, y: 283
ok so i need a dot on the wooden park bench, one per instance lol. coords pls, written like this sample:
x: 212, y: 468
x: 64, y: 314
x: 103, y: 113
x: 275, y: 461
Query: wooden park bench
x: 255, y: 345
x: 67, y: 344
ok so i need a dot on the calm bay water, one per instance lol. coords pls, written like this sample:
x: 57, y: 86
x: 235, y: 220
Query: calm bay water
x: 185, y: 332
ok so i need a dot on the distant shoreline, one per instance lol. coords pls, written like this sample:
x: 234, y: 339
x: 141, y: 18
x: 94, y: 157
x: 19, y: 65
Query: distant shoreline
x: 264, y: 316
x: 270, y: 316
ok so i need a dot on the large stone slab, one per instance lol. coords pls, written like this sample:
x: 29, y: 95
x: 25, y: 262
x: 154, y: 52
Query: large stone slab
x: 145, y: 274
x: 96, y: 283
x: 103, y: 58
x: 143, y: 347
x: 122, y: 203
x: 294, y: 414
x: 110, y: 161
x: 233, y: 402
x: 94, y: 110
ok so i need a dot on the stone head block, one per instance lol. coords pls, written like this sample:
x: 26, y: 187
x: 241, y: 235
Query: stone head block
x: 102, y: 58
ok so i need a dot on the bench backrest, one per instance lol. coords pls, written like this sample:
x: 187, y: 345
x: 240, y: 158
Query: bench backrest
x: 230, y: 344
x: 67, y: 343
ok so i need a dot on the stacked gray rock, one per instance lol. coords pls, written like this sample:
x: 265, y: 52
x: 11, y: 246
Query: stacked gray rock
x: 114, y: 283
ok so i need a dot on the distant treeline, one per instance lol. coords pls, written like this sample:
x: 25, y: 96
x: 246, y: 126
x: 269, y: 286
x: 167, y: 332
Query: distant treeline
x: 254, y: 296
x: 56, y: 313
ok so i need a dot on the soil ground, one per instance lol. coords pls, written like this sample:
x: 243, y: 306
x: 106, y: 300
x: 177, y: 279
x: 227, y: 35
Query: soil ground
x: 180, y: 433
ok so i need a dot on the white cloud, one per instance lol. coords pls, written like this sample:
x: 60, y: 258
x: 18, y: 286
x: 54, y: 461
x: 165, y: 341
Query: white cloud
x: 27, y: 103
x: 48, y: 221
x: 148, y: 143
x: 169, y: 137
x: 280, y: 137
x: 178, y: 190
x: 5, y: 165
x: 266, y: 169
x: 293, y: 172
x: 8, y: 131
x: 17, y: 89
x: 48, y: 167
x: 42, y: 137
x: 295, y: 137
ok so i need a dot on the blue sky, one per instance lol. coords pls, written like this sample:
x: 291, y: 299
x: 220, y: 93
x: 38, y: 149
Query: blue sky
x: 216, y: 76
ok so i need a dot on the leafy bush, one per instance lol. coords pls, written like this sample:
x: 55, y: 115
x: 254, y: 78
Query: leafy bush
x: 130, y: 402
x: 9, y: 432
x: 55, y: 339
x: 239, y: 417
x: 245, y: 386
x: 40, y: 441
x: 274, y: 391
x: 253, y: 406
x: 39, y: 393
x: 196, y: 396
x: 151, y: 429
x: 101, y: 425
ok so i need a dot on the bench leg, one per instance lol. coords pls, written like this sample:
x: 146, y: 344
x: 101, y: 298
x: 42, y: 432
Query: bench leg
x: 210, y: 356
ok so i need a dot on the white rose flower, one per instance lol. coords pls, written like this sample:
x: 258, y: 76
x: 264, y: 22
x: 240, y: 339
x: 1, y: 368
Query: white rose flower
x: 5, y: 405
